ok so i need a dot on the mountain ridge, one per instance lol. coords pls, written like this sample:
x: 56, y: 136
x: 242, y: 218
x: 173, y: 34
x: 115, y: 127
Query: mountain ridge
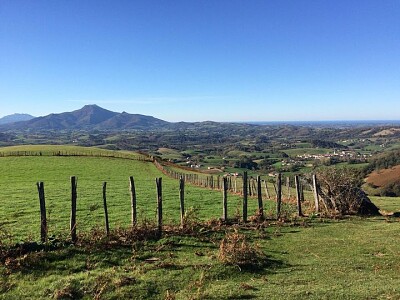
x: 89, y: 117
x: 17, y: 117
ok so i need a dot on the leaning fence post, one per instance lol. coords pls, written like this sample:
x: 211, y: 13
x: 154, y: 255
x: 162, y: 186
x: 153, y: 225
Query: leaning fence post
x: 182, y: 199
x: 316, y: 196
x: 43, y: 220
x: 73, y: 209
x: 298, y: 195
x: 266, y: 190
x: 278, y: 195
x: 225, y: 199
x: 159, y: 205
x: 105, y: 207
x: 133, y: 201
x: 259, y: 198
x: 245, y: 187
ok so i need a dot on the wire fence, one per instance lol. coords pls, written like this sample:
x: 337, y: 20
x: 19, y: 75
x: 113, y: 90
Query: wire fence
x: 204, y: 194
x: 20, y: 209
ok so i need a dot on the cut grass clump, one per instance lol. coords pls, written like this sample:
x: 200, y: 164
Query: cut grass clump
x: 71, y: 289
x: 236, y: 250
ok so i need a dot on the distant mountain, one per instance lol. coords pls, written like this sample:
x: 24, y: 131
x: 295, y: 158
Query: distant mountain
x: 89, y: 117
x: 15, y: 118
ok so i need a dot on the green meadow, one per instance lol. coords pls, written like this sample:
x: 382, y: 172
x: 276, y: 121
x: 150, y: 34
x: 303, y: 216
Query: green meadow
x: 300, y: 258
x: 20, y: 214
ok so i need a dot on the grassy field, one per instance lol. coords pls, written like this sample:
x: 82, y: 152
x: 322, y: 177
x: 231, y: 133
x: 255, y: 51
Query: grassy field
x: 301, y: 258
x: 19, y: 211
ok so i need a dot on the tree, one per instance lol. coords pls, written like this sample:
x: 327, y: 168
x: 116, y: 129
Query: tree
x: 246, y: 162
x: 266, y: 163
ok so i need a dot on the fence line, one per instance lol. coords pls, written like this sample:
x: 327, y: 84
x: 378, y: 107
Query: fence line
x: 159, y: 210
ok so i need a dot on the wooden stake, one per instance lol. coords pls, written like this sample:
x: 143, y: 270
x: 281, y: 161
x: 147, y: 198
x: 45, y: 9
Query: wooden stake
x: 159, y: 205
x: 254, y: 186
x: 43, y: 220
x: 133, y: 201
x: 278, y: 195
x: 225, y: 199
x: 245, y: 186
x: 266, y: 190
x: 105, y: 208
x: 182, y: 199
x: 259, y: 198
x: 249, y: 186
x: 316, y: 196
x: 298, y: 195
x: 72, y: 225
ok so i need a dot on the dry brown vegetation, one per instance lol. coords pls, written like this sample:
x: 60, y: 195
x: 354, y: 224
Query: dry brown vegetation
x: 236, y: 250
x: 384, y: 177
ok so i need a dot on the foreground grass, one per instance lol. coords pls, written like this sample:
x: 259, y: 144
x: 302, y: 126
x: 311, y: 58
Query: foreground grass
x: 353, y: 258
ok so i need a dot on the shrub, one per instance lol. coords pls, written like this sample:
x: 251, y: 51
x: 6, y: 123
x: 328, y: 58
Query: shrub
x: 391, y: 190
x: 341, y: 193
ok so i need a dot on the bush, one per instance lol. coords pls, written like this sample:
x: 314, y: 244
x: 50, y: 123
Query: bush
x: 341, y: 193
x: 391, y: 190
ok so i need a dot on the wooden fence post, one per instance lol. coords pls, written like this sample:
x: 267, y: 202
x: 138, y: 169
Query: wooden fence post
x: 245, y: 186
x: 259, y: 198
x: 254, y: 186
x: 182, y: 199
x: 298, y: 195
x: 316, y: 196
x: 133, y: 201
x: 249, y: 191
x: 72, y: 225
x: 278, y: 195
x: 266, y: 190
x: 288, y: 186
x: 159, y: 205
x: 43, y: 220
x: 105, y: 208
x: 225, y: 199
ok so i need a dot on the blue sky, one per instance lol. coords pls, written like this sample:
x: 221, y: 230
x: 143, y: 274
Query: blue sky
x: 203, y: 60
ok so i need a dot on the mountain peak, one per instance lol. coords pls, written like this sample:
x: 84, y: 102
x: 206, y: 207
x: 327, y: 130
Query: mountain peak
x: 90, y: 117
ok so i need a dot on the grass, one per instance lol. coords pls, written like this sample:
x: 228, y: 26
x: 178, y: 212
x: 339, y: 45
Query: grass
x: 19, y: 211
x: 316, y: 259
x: 301, y: 258
x: 65, y: 150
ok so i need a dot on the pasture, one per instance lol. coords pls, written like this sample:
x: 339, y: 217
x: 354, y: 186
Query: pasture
x: 19, y: 212
x: 304, y: 258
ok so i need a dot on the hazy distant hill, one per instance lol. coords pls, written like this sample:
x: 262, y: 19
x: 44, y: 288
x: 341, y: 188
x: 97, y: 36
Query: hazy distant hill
x: 15, y: 118
x: 89, y: 117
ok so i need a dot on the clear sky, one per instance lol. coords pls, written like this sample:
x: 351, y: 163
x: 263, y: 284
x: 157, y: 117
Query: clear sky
x: 221, y: 60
